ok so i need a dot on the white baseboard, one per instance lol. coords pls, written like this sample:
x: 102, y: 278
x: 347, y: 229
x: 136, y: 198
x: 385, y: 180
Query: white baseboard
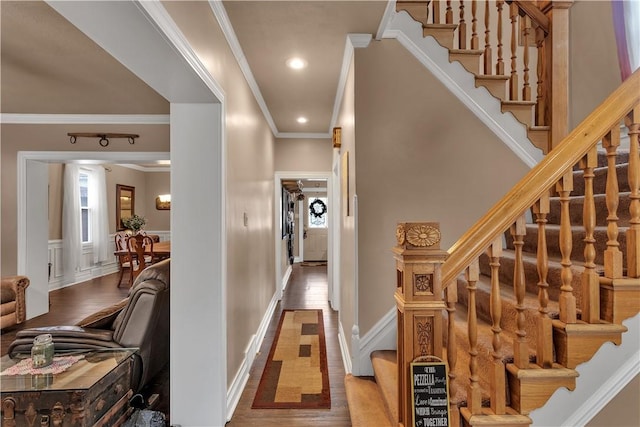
x: 242, y: 376
x: 344, y: 349
x: 383, y: 336
x: 285, y: 278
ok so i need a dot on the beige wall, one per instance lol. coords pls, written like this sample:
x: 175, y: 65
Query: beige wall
x: 250, y: 172
x: 147, y: 186
x: 421, y: 156
x: 156, y: 183
x: 623, y: 411
x: 309, y: 155
x: 346, y: 223
x: 19, y: 137
x: 594, y: 71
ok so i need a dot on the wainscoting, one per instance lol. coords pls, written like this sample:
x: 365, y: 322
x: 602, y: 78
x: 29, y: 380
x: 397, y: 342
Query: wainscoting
x: 88, y: 270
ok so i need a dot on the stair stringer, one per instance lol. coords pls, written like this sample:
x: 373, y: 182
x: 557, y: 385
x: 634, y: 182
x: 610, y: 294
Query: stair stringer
x: 600, y: 380
x: 382, y: 336
x: 462, y: 85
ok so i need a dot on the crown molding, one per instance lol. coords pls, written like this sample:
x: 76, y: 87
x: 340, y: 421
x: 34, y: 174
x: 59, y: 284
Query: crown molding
x: 296, y: 135
x: 225, y: 24
x: 105, y: 119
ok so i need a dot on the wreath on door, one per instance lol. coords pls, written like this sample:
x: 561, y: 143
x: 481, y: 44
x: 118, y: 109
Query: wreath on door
x: 317, y: 208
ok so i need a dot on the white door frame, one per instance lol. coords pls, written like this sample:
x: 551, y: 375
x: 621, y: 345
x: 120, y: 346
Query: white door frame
x: 333, y: 286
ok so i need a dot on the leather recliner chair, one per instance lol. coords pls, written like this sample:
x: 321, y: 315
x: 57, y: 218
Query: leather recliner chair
x: 139, y: 321
x: 13, y: 307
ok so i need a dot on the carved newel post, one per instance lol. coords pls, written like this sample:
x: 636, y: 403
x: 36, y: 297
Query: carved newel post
x: 419, y: 300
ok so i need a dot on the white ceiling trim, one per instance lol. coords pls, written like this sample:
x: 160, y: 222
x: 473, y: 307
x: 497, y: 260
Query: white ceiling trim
x: 158, y: 14
x: 389, y: 12
x: 303, y: 135
x: 352, y: 41
x: 225, y: 24
x: 153, y: 50
x: 104, y: 119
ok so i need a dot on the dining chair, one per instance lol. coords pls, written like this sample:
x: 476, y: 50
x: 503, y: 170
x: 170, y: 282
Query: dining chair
x: 124, y: 260
x: 140, y: 249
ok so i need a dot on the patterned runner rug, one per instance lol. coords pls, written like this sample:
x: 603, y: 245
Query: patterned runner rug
x: 296, y: 375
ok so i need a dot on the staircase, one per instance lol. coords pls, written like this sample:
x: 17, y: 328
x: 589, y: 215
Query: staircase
x: 375, y: 399
x: 552, y: 270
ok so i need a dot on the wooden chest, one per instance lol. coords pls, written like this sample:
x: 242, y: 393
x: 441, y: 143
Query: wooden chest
x: 94, y: 391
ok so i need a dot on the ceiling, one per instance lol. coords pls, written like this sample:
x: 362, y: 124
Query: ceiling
x: 48, y: 66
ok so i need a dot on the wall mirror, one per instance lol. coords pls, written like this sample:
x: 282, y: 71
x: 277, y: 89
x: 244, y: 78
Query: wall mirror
x: 125, y: 204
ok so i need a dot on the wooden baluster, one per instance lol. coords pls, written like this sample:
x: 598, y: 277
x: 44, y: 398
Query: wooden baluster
x: 474, y: 395
x: 498, y: 391
x: 540, y: 98
x: 500, y: 63
x: 449, y: 13
x: 544, y: 344
x: 451, y: 295
x: 633, y: 234
x: 436, y: 12
x: 567, y: 300
x: 520, y: 347
x: 462, y: 29
x: 487, y: 37
x: 474, y: 25
x: 513, y: 82
x: 526, y: 88
x: 612, y: 255
x: 590, y: 280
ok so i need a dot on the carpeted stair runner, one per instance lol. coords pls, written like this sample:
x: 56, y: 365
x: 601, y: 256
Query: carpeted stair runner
x: 366, y: 396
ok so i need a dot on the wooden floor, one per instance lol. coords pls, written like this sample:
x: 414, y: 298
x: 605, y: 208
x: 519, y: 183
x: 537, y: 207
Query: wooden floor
x: 307, y: 288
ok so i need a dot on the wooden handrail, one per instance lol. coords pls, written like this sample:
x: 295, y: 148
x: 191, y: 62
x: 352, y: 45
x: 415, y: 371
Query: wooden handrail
x: 541, y: 178
x: 534, y: 13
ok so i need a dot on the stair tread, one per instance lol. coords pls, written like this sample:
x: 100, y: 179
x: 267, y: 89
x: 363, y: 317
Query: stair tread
x: 474, y: 52
x: 385, y: 370
x: 519, y: 103
x: 492, y: 77
x: 440, y: 26
x: 366, y: 407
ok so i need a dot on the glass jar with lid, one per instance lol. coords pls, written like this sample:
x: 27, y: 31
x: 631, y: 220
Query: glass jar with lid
x: 42, y: 351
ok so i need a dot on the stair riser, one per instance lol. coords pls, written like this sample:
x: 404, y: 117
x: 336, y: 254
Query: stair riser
x: 574, y: 346
x: 522, y: 113
x: 576, y: 207
x: 554, y: 272
x: 577, y: 251
x: 619, y: 299
x: 469, y: 61
x: 528, y: 394
x: 509, y: 312
x: 497, y: 88
x: 600, y: 180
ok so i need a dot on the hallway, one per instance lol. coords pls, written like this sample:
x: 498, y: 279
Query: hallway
x: 307, y: 288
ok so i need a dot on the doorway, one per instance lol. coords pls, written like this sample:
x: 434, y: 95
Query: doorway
x: 283, y: 267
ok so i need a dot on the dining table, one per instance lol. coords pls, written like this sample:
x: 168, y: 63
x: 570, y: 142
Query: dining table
x: 160, y: 249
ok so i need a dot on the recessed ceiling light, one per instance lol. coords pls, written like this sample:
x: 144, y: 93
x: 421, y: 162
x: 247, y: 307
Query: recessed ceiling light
x: 302, y: 120
x: 296, y: 63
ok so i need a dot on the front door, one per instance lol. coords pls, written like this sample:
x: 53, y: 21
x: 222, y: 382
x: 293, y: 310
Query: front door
x: 316, y: 227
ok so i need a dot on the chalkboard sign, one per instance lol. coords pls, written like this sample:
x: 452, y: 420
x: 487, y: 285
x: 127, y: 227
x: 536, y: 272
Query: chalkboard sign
x: 430, y: 391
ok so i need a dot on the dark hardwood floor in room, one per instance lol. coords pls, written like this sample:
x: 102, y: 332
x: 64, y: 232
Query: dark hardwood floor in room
x: 307, y: 288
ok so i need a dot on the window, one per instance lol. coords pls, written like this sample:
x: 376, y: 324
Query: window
x: 85, y: 213
x: 318, y: 212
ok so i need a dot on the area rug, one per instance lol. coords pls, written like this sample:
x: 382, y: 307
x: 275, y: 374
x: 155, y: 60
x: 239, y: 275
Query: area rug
x: 313, y: 263
x: 296, y: 375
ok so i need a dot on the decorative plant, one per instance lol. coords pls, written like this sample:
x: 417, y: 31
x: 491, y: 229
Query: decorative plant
x: 134, y: 222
